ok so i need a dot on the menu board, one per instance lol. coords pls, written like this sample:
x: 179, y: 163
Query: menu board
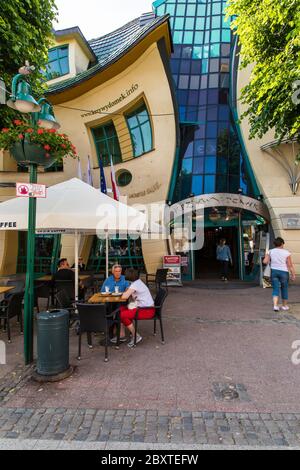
x: 173, y: 264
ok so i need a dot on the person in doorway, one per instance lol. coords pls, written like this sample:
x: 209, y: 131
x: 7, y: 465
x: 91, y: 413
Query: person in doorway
x: 281, y: 264
x: 224, y: 257
x: 116, y: 279
x: 141, y: 298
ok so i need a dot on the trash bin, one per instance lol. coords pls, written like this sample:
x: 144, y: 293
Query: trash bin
x: 52, y: 342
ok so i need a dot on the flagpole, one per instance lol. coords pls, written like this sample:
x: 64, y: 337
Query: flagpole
x: 106, y: 250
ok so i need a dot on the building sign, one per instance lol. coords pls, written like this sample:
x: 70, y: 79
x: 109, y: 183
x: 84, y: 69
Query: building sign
x: 230, y: 200
x: 173, y: 264
x: 30, y: 190
x: 290, y: 221
x: 105, y: 108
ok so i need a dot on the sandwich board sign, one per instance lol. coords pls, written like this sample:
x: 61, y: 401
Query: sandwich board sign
x: 30, y: 190
x: 173, y: 264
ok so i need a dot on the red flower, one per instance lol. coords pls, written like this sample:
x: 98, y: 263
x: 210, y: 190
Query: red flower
x: 29, y: 130
x: 5, y: 129
x: 52, y: 131
x: 63, y: 146
x: 47, y: 155
x: 47, y: 147
x: 21, y: 136
x: 18, y: 122
x: 40, y: 131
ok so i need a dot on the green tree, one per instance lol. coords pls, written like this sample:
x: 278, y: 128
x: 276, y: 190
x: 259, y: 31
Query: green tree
x: 25, y: 34
x: 269, y: 36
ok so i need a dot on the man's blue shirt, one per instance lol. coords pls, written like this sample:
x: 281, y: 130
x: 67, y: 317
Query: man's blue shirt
x: 112, y: 283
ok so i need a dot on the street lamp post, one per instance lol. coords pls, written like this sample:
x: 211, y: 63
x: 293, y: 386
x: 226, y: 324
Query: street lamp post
x: 41, y: 114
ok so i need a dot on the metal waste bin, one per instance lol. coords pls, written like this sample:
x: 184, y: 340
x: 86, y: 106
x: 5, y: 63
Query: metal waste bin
x: 52, y: 342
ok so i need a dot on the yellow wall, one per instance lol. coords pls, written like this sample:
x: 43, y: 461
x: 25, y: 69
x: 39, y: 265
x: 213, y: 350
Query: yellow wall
x: 272, y: 179
x: 152, y: 171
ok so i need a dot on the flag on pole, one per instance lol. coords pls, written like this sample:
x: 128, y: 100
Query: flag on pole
x: 113, y: 181
x: 89, y: 173
x: 103, y: 187
x: 79, y: 171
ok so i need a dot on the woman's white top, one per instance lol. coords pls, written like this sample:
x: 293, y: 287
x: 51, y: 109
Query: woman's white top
x: 141, y: 295
x: 279, y: 258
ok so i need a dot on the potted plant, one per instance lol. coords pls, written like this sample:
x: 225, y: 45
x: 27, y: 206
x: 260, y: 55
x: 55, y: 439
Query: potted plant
x: 31, y: 144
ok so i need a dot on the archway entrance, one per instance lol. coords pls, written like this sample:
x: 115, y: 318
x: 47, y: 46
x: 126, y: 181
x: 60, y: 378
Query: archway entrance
x: 206, y: 264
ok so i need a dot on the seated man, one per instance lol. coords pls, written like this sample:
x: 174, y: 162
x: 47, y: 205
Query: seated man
x: 64, y: 272
x: 115, y: 280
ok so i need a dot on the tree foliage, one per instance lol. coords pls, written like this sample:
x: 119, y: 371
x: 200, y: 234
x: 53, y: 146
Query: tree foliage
x: 269, y: 36
x: 25, y: 34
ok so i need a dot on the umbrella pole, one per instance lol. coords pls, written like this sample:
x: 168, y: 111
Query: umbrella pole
x: 76, y: 266
x: 106, y: 252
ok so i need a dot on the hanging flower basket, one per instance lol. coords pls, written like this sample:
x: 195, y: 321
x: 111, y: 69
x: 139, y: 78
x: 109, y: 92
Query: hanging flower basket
x: 35, y: 145
x: 26, y: 153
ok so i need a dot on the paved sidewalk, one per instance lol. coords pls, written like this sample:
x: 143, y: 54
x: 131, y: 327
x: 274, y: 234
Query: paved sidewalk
x: 156, y: 427
x: 224, y: 377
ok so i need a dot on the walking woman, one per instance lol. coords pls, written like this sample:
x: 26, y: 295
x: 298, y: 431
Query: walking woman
x: 224, y: 257
x: 281, y: 265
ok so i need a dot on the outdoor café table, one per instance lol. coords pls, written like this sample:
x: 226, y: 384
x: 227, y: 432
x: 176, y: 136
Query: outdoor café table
x: 109, y: 300
x: 5, y: 289
x: 48, y: 277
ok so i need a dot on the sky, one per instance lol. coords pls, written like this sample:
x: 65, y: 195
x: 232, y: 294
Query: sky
x: 98, y: 17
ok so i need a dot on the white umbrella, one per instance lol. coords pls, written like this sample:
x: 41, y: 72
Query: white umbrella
x: 75, y: 207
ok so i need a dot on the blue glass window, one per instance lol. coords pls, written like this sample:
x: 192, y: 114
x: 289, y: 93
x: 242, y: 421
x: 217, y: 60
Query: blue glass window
x: 201, y: 10
x: 198, y: 166
x: 139, y: 126
x: 226, y: 35
x: 200, y: 24
x: 187, y: 165
x: 107, y: 143
x: 197, y: 184
x: 210, y: 184
x: 58, y: 62
x: 189, y: 23
x: 179, y: 22
x: 210, y: 164
x: 191, y: 10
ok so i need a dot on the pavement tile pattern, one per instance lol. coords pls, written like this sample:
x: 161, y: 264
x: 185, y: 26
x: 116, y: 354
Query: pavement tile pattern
x: 151, y: 426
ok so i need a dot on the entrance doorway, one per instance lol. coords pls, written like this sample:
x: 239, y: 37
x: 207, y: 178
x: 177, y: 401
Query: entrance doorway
x: 205, y: 262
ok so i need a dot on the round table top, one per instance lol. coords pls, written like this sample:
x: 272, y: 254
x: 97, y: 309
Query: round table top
x: 5, y: 289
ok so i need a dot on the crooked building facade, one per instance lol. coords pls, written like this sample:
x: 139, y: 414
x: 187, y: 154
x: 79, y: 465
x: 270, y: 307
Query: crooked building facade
x: 161, y: 95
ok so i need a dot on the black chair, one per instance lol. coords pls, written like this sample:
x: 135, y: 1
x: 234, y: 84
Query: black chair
x: 159, y: 278
x: 12, y: 309
x: 93, y: 319
x: 42, y: 291
x: 67, y: 286
x: 158, y: 305
x: 65, y: 302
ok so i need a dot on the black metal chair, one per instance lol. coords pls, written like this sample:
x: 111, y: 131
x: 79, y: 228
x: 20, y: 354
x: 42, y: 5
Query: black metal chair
x: 42, y: 291
x: 158, y: 305
x: 159, y: 279
x: 65, y: 302
x: 93, y: 319
x: 13, y: 308
x: 67, y: 286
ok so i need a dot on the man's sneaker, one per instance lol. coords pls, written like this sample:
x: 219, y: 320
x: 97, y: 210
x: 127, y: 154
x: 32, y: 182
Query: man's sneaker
x: 115, y: 339
x: 276, y: 308
x: 131, y: 342
x: 285, y: 308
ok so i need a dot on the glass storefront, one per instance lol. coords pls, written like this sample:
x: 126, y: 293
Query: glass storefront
x: 47, y: 252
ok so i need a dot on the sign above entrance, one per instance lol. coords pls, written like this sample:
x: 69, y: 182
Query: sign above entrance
x: 237, y: 201
x: 30, y: 190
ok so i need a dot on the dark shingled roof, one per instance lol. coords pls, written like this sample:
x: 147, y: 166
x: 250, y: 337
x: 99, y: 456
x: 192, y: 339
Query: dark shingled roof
x: 111, y: 47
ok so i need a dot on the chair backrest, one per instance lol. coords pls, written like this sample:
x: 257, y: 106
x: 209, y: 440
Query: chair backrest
x: 18, y: 287
x: 67, y: 286
x: 92, y: 318
x: 63, y: 299
x: 159, y: 300
x: 161, y: 275
x: 15, y: 304
x: 42, y: 291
